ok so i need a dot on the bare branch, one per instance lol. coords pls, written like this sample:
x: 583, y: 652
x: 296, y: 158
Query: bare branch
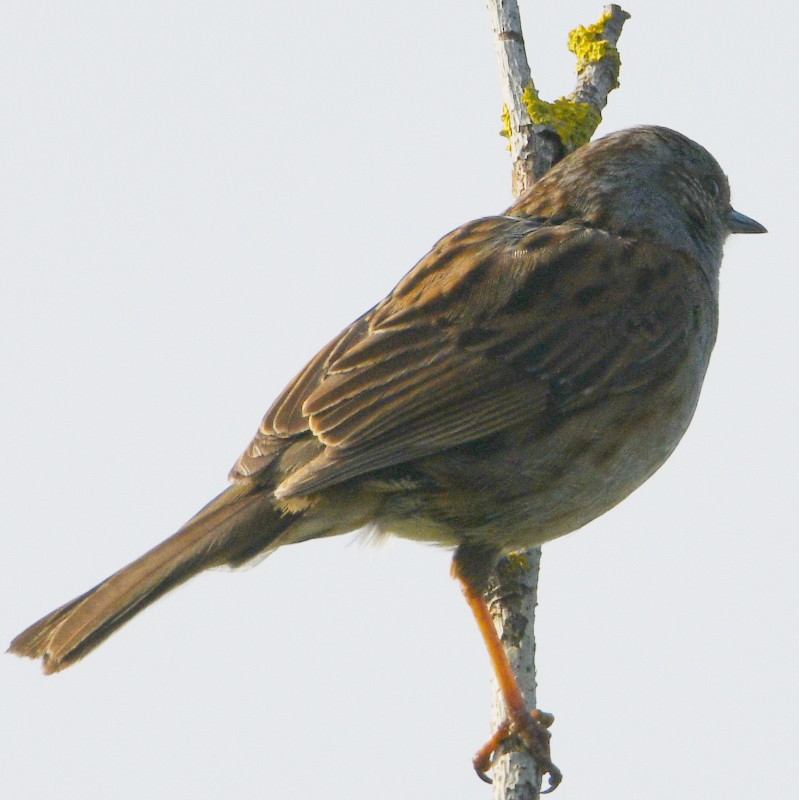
x: 512, y: 598
x: 530, y: 155
x: 539, y: 135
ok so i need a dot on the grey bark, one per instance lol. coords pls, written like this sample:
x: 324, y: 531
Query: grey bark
x: 512, y: 596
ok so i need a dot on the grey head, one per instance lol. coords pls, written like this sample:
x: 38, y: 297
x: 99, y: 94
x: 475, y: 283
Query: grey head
x: 649, y: 181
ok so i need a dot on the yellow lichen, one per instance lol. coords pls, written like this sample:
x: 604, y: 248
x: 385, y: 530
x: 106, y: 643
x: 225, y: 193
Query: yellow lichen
x: 587, y: 44
x: 573, y: 122
x: 514, y: 564
x: 507, y: 128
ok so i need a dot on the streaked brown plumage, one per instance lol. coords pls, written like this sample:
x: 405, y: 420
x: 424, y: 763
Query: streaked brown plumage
x: 527, y: 374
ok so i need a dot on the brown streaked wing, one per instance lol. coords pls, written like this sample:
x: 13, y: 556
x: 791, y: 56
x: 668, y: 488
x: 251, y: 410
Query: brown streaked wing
x: 521, y: 316
x: 449, y: 268
x: 286, y: 417
x: 609, y: 328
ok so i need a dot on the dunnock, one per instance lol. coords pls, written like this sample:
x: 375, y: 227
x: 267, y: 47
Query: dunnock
x: 525, y: 376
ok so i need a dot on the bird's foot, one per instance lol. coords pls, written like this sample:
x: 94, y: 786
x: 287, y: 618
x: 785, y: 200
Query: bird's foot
x: 532, y: 730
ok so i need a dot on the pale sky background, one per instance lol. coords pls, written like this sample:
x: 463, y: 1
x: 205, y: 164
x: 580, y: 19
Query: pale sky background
x: 194, y: 197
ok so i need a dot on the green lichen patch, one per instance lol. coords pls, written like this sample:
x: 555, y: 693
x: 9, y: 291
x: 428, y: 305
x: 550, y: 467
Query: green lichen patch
x: 573, y: 122
x: 507, y: 128
x: 588, y: 44
x: 513, y: 565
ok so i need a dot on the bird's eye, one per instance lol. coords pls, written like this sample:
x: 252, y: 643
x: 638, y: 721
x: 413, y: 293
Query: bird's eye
x: 713, y: 188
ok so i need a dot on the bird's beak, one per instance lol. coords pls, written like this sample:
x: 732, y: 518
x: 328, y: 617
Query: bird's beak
x: 740, y: 223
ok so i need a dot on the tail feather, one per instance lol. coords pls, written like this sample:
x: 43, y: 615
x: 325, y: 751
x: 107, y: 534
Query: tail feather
x: 238, y: 525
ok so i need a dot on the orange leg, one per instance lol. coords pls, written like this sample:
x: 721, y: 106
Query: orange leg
x: 529, y: 726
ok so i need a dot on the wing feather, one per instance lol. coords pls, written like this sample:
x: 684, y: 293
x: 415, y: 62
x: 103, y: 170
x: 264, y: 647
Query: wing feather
x: 504, y: 320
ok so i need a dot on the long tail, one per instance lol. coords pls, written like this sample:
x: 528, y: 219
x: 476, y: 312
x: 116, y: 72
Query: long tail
x: 236, y: 526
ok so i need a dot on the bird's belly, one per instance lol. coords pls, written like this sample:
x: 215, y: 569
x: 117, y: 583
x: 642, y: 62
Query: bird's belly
x: 524, y: 487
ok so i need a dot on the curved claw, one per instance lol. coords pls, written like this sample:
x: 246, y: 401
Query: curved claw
x: 555, y: 777
x: 483, y: 758
x: 483, y: 777
x: 533, y: 731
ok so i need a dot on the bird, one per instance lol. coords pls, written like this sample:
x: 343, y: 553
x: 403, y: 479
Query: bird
x: 524, y: 377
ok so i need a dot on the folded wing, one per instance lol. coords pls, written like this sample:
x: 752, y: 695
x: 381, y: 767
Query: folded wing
x: 501, y: 322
